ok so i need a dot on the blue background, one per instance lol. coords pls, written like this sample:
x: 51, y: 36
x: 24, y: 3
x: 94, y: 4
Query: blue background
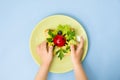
x: 100, y: 18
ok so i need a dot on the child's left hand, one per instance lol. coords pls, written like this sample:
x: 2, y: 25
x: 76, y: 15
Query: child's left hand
x: 46, y: 53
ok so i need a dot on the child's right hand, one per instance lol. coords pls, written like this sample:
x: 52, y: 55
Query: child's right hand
x: 77, y: 52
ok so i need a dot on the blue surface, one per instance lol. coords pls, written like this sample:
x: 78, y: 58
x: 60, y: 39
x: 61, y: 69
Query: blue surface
x: 100, y: 18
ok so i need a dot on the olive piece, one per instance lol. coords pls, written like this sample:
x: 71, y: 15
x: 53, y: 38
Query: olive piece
x: 59, y: 32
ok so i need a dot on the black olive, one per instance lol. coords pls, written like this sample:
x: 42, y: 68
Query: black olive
x: 59, y: 32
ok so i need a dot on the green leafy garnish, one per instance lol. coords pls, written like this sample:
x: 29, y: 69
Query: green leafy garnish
x: 70, y: 35
x: 67, y: 47
x: 63, y: 28
x: 60, y: 53
x: 51, y: 33
x: 49, y: 39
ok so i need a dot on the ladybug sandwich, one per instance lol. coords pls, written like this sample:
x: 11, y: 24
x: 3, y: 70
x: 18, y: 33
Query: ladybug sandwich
x: 61, y: 38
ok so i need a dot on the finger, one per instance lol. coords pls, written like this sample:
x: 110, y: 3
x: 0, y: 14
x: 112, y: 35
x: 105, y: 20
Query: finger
x: 50, y: 49
x: 72, y: 48
x: 44, y: 46
x: 81, y: 44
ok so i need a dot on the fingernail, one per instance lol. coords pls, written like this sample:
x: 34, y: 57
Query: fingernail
x: 51, y: 46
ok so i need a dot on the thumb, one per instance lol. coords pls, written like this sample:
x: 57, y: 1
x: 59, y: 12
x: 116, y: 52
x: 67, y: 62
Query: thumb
x: 81, y: 45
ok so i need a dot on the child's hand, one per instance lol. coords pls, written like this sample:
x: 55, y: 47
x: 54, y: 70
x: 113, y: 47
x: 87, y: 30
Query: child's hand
x: 77, y: 52
x: 46, y: 53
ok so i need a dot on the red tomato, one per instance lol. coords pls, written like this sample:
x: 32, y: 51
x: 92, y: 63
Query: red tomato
x: 59, y: 40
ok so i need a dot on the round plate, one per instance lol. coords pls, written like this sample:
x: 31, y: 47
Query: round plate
x: 37, y: 36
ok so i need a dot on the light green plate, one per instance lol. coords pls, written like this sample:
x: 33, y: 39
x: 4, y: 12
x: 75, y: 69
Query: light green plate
x: 37, y: 36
